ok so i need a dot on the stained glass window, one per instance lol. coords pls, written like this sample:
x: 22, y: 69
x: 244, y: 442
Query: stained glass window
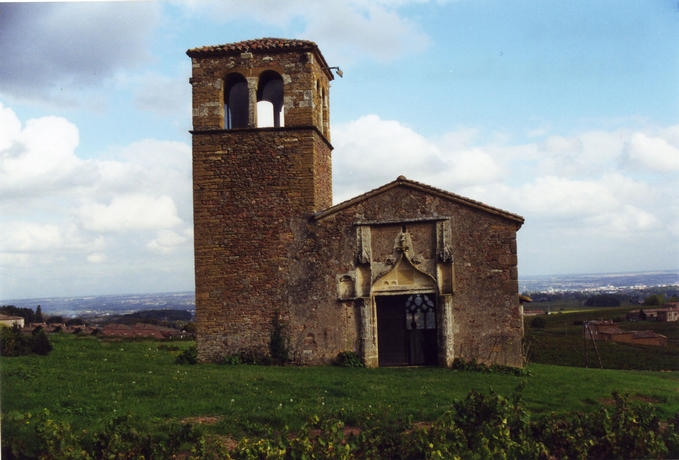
x: 420, y: 312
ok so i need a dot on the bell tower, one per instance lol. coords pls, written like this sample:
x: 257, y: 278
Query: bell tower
x: 261, y: 165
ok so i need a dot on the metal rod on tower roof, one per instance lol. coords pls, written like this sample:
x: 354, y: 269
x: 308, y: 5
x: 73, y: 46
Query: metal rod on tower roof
x: 337, y: 70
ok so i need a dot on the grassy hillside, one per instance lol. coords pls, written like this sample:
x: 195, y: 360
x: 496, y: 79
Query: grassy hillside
x: 96, y: 398
x: 85, y: 380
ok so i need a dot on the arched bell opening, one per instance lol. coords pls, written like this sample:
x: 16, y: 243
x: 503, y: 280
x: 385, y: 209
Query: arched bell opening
x: 235, y: 101
x: 270, y: 111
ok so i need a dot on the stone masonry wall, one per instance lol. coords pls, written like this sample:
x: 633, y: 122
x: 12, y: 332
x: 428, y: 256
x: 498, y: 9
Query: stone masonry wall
x: 250, y: 186
x: 487, y: 322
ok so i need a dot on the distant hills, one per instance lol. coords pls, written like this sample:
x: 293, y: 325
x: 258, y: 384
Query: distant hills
x: 97, y: 306
x: 113, y: 305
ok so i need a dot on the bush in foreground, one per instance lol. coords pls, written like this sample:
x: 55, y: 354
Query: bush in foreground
x: 481, y: 426
x: 478, y: 426
x: 122, y: 437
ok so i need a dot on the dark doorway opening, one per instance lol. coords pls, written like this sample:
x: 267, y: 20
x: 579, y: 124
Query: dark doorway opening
x: 406, y: 330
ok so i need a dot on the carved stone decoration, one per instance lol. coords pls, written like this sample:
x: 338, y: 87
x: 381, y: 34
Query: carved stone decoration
x: 443, y: 241
x: 404, y: 277
x: 404, y: 245
x: 400, y: 272
x: 346, y: 289
x: 364, y: 253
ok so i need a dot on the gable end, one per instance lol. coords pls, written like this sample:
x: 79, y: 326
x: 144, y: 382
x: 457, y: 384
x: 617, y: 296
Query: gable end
x: 401, y: 181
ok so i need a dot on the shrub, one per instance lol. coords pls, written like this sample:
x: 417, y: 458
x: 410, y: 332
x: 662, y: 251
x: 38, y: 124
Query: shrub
x: 188, y: 356
x: 472, y: 366
x: 630, y: 431
x: 348, y: 359
x: 671, y: 435
x: 13, y: 342
x: 482, y: 425
x: 40, y: 343
x: 123, y: 437
x: 654, y: 300
x: 126, y: 436
x: 56, y: 438
x: 56, y: 319
x: 493, y: 426
x: 249, y: 357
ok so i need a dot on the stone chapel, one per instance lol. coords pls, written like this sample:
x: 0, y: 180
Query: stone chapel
x: 405, y: 274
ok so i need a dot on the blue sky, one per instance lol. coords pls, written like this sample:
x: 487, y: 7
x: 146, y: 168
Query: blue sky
x: 566, y: 113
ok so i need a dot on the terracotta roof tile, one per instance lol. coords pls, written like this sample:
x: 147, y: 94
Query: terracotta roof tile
x: 259, y: 44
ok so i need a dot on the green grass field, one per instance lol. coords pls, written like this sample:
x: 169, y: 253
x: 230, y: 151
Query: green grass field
x: 85, y: 381
x: 561, y: 341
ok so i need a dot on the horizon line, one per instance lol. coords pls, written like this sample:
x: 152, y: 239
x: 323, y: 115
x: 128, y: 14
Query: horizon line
x: 192, y: 291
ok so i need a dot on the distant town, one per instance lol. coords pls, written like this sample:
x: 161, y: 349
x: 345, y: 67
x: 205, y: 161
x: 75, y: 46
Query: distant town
x: 599, y: 283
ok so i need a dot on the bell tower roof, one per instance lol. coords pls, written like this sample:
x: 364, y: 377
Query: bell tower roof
x: 260, y: 45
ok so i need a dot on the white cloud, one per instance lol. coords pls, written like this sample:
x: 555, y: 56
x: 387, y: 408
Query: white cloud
x: 584, y: 154
x: 166, y: 242
x: 63, y: 214
x: 468, y: 167
x: 38, y: 156
x: 163, y: 94
x: 626, y: 220
x: 566, y: 198
x: 71, y: 44
x: 655, y: 153
x: 607, y: 206
x: 572, y: 183
x: 578, y: 194
x: 31, y: 237
x: 132, y: 211
x: 163, y: 156
x: 370, y: 152
x: 344, y: 29
x: 96, y: 258
x: 10, y: 129
x: 25, y: 242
